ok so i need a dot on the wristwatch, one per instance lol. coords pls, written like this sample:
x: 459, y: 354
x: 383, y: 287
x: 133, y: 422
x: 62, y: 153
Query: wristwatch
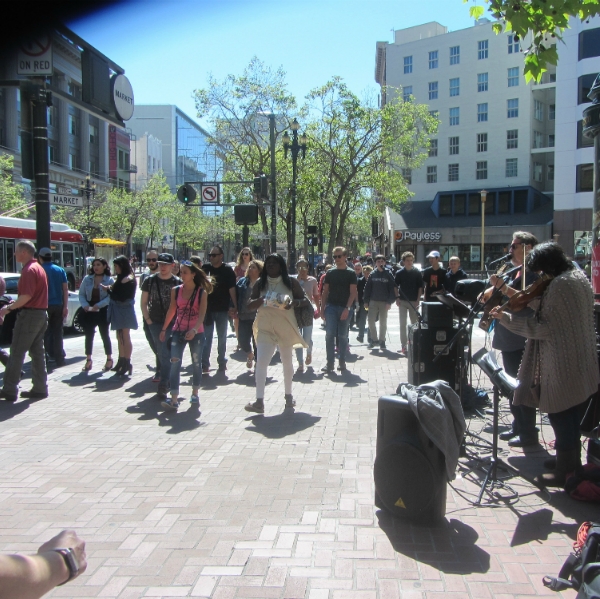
x: 71, y: 561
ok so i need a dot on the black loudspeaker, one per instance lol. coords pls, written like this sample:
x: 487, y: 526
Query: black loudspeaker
x: 436, y: 314
x: 245, y: 214
x: 468, y: 290
x: 423, y: 347
x: 409, y: 470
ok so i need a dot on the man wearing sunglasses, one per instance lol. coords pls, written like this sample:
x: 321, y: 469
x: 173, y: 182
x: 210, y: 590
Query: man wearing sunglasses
x: 152, y: 262
x: 338, y: 298
x: 219, y: 307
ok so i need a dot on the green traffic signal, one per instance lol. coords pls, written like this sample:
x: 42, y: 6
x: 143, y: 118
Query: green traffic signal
x: 186, y: 194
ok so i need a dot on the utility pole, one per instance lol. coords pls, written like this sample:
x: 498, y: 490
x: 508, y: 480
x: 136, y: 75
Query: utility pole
x: 39, y: 105
x: 273, y: 189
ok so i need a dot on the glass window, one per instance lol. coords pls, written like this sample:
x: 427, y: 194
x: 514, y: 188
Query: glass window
x: 455, y: 86
x: 52, y: 155
x: 481, y: 172
x: 513, y: 46
x: 551, y: 140
x: 482, y: 82
x: 93, y: 134
x: 504, y: 202
x: 433, y: 148
x: 446, y: 205
x: 453, y: 172
x: 538, y: 110
x: 482, y: 112
x: 512, y: 139
x: 433, y: 90
x: 474, y: 203
x: 582, y: 140
x: 407, y: 65
x: 521, y: 200
x: 551, y: 112
x: 407, y: 174
x: 584, y: 84
x: 511, y: 167
x: 73, y: 162
x: 460, y: 200
x: 482, y: 49
x: 482, y: 141
x: 72, y: 125
x: 589, y: 43
x: 50, y: 113
x: 538, y: 139
x: 585, y: 177
x: 537, y: 172
x: 432, y: 174
x: 512, y: 108
x: 455, y: 55
x: 550, y: 172
x: 407, y: 93
x: 434, y: 113
x: 453, y: 145
x: 513, y: 77
x: 433, y: 59
x: 454, y: 116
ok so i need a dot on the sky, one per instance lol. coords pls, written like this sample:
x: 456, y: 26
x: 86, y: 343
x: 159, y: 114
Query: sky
x: 169, y: 47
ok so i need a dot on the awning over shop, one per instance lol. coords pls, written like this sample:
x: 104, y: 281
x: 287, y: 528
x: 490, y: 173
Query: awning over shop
x: 108, y: 242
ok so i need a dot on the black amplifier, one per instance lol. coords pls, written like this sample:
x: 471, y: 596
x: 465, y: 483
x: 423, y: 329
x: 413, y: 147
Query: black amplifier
x: 423, y: 346
x: 436, y: 314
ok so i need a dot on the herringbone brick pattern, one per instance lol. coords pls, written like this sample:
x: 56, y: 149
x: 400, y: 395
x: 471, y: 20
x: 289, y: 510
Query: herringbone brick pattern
x: 228, y: 505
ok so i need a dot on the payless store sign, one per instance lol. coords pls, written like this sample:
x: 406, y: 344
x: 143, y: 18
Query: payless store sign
x: 418, y: 236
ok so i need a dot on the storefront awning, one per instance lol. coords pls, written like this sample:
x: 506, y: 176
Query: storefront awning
x: 107, y: 242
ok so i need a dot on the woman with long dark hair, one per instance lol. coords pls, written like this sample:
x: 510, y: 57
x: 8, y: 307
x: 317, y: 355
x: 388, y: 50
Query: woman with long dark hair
x: 188, y: 307
x: 94, y: 300
x: 246, y: 316
x: 559, y: 369
x: 274, y: 296
x: 121, y: 312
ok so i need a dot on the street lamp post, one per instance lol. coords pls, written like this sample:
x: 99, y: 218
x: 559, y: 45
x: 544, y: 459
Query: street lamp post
x: 89, y: 189
x: 297, y: 145
x: 483, y: 193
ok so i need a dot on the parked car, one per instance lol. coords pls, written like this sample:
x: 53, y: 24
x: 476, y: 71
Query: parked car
x: 75, y: 310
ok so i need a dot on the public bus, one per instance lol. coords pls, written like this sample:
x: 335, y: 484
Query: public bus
x: 67, y: 247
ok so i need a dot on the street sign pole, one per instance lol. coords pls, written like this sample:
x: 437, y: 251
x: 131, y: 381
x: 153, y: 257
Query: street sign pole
x: 40, y: 165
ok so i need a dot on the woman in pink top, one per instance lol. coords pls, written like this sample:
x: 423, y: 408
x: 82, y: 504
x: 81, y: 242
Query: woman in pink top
x: 188, y: 307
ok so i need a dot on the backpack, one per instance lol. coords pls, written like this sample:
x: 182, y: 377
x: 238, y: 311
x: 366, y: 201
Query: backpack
x: 581, y: 570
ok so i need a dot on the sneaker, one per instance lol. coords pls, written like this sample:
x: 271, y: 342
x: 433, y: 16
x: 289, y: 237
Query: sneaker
x: 258, y: 406
x: 170, y: 404
x: 195, y: 400
x: 327, y: 368
x: 206, y: 370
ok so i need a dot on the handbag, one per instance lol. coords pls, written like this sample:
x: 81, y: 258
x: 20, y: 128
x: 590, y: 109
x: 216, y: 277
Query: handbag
x: 304, y: 315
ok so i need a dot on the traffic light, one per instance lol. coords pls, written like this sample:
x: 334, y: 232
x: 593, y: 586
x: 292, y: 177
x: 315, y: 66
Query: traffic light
x: 261, y: 187
x: 186, y: 194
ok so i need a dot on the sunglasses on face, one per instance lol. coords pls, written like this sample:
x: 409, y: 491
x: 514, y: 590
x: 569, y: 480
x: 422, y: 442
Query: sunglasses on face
x: 186, y: 263
x: 151, y: 259
x: 245, y: 253
x: 213, y: 255
x: 338, y: 257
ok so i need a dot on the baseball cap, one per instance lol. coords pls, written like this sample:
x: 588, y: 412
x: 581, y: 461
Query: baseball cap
x: 166, y: 258
x: 434, y: 254
x: 45, y: 253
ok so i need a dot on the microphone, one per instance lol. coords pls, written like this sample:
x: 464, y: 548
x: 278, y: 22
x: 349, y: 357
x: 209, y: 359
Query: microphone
x: 504, y: 258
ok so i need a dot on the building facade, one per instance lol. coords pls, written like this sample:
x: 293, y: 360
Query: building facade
x: 146, y: 151
x: 186, y: 155
x: 496, y: 134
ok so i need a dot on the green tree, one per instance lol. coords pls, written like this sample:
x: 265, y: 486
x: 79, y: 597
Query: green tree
x: 360, y: 150
x: 12, y: 195
x: 542, y: 22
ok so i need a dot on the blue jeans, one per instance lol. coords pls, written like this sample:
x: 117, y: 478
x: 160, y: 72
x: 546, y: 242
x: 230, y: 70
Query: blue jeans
x: 163, y: 354
x: 220, y: 320
x: 336, y: 327
x: 306, y: 333
x: 178, y: 343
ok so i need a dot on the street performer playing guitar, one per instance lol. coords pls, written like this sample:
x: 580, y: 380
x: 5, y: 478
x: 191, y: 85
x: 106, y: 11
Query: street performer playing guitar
x: 523, y: 431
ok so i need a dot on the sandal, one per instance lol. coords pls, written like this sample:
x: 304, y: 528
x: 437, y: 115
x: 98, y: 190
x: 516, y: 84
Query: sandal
x: 170, y: 404
x: 87, y: 366
x: 250, y: 360
x: 258, y: 406
x: 108, y: 365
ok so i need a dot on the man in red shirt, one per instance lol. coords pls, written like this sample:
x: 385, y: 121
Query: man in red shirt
x: 28, y: 335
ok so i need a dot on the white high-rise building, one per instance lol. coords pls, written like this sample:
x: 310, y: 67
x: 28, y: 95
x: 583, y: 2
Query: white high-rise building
x: 496, y: 133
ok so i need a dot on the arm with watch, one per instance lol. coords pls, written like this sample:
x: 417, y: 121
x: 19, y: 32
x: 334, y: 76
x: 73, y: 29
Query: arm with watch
x: 20, y: 302
x: 57, y: 561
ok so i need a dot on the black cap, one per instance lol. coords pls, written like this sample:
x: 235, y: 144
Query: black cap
x: 45, y: 253
x: 166, y: 258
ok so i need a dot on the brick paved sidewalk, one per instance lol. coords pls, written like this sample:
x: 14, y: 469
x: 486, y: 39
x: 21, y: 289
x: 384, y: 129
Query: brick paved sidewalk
x: 223, y: 504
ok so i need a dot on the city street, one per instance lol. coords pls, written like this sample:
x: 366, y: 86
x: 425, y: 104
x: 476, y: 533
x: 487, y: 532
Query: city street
x: 225, y: 504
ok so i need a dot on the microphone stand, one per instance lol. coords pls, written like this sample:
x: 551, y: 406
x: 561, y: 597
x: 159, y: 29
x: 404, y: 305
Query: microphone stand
x: 419, y: 321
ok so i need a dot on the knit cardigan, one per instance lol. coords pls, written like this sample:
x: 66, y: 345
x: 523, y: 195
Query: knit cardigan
x: 560, y: 353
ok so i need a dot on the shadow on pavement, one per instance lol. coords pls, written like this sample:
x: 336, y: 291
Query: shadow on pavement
x: 179, y: 422
x: 81, y: 379
x: 218, y: 379
x: 449, y: 547
x: 9, y: 409
x: 538, y: 526
x: 281, y: 425
x: 246, y: 379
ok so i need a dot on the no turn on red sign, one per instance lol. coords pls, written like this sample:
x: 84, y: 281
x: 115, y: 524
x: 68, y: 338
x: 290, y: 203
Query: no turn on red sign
x: 35, y: 56
x: 210, y: 194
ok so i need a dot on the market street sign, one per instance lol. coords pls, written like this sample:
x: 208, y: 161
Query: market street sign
x: 57, y: 199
